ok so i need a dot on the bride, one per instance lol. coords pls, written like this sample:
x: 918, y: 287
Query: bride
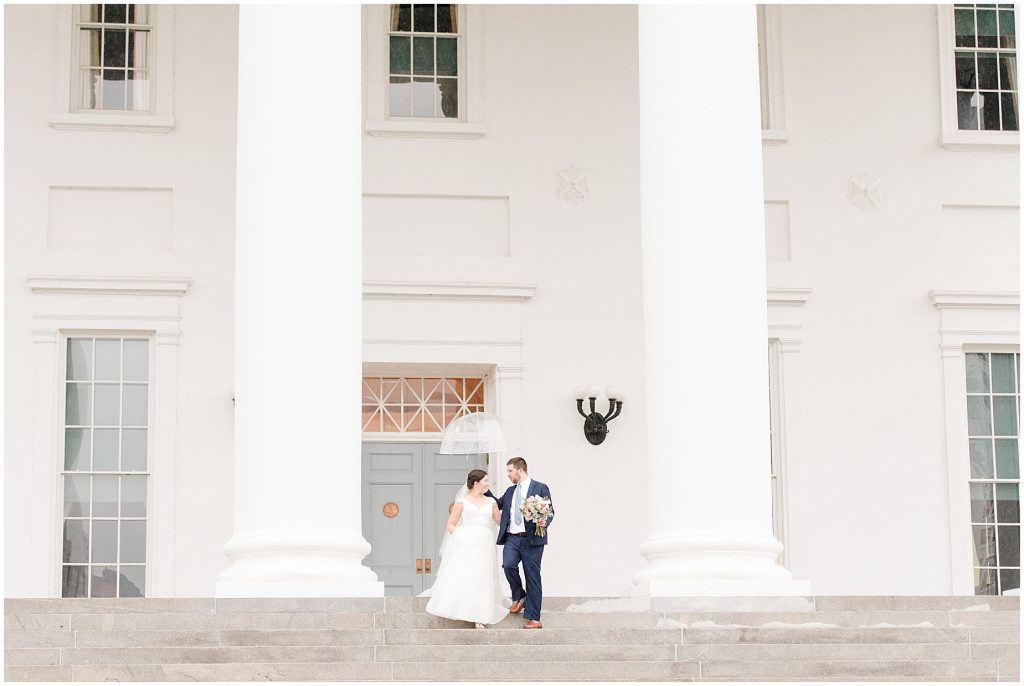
x: 469, y: 583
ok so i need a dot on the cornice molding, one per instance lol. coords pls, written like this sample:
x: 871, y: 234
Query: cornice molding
x: 788, y: 297
x: 118, y: 285
x: 428, y: 290
x: 976, y: 300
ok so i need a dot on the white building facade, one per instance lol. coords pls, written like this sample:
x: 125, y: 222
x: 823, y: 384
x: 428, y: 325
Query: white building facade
x: 181, y: 408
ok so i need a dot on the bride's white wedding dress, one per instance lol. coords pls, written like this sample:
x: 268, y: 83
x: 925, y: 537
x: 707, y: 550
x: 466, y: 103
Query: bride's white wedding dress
x: 470, y: 585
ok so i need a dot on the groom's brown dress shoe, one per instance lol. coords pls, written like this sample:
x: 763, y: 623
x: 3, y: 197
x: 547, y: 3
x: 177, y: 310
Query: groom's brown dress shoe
x: 533, y: 624
x: 517, y: 607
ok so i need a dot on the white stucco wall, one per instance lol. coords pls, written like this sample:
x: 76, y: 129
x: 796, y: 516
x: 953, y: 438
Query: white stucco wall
x: 196, y: 160
x: 868, y: 504
x: 867, y: 494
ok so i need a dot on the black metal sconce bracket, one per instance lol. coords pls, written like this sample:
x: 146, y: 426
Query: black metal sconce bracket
x: 595, y: 428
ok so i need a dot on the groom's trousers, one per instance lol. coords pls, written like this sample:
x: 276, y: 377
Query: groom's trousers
x: 517, y: 550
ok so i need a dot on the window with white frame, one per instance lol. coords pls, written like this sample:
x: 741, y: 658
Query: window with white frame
x: 409, y: 404
x: 423, y: 61
x: 112, y: 58
x: 985, y: 67
x: 993, y: 413
x: 105, y: 474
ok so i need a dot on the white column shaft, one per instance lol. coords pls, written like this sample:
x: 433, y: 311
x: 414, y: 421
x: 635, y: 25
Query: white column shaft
x: 298, y: 303
x: 705, y: 312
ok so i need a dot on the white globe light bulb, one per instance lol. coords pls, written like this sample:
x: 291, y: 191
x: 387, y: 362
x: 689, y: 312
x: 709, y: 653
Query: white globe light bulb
x: 613, y: 393
x: 593, y: 390
x: 579, y: 392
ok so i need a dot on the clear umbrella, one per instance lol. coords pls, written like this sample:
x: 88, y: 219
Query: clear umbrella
x: 478, y: 432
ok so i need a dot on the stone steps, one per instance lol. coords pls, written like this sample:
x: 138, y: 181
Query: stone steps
x: 817, y: 670
x: 601, y: 639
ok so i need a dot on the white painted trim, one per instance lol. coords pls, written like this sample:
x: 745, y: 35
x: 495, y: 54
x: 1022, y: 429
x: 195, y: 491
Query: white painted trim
x: 433, y: 290
x: 158, y: 119
x: 775, y: 133
x: 951, y: 137
x: 968, y: 321
x: 470, y: 124
x: 135, y: 123
x: 45, y: 513
x: 985, y: 300
x: 164, y: 330
x: 439, y: 130
x: 785, y: 339
x: 788, y: 297
x: 774, y: 136
x: 141, y: 285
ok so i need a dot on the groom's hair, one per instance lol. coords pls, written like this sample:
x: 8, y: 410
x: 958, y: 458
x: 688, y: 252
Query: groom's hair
x: 474, y: 476
x: 518, y: 463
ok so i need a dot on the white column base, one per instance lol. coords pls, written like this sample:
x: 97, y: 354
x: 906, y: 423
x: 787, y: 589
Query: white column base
x: 715, y: 564
x: 297, y: 564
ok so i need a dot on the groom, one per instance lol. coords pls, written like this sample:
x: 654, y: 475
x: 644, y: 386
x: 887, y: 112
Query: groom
x: 522, y: 544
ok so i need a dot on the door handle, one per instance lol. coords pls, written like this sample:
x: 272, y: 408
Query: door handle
x: 419, y: 565
x: 428, y: 565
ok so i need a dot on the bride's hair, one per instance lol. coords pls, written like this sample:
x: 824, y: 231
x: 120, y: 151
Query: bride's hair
x: 473, y: 477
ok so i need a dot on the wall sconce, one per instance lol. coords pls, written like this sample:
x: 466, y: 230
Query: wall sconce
x: 595, y: 428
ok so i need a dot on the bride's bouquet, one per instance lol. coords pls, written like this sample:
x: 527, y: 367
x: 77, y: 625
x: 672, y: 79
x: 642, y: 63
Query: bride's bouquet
x: 537, y: 509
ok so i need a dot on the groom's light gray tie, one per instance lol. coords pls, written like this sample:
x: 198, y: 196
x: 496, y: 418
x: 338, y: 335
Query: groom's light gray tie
x: 518, y: 506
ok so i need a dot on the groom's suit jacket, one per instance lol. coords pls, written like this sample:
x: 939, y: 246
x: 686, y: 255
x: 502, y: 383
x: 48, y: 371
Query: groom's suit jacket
x: 505, y: 504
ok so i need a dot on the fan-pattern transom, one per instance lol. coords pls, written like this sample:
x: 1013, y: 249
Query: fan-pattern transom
x: 412, y: 404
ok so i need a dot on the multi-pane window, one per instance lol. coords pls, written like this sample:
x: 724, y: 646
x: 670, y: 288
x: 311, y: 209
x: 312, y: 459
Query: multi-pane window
x: 423, y: 62
x: 106, y: 467
x: 418, y: 404
x: 986, y: 67
x: 993, y: 413
x: 112, y: 67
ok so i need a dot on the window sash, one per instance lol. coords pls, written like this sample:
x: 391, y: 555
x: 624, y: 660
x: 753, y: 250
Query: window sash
x: 434, y: 77
x: 990, y: 521
x: 90, y: 472
x: 136, y: 93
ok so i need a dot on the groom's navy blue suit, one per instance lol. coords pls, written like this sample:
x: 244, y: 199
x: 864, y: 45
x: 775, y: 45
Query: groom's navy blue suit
x: 528, y: 549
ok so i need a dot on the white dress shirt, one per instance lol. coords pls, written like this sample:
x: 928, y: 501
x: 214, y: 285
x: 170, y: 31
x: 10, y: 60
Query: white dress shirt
x: 512, y: 526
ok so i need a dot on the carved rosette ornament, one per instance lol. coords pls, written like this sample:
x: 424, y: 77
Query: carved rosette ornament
x: 864, y: 191
x: 573, y: 185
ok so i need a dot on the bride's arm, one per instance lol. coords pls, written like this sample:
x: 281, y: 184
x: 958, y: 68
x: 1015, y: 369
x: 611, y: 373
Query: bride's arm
x: 453, y: 518
x: 496, y: 514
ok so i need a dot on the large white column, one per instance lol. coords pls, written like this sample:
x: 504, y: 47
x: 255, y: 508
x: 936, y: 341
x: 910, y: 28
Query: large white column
x: 705, y: 310
x: 298, y: 300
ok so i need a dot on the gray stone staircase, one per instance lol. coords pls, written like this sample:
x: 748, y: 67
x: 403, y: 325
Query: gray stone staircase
x: 860, y: 638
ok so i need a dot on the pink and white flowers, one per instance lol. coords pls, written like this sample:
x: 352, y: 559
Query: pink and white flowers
x: 537, y: 510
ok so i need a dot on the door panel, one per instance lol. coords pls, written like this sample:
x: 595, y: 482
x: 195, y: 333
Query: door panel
x: 443, y: 475
x: 421, y: 484
x: 392, y: 478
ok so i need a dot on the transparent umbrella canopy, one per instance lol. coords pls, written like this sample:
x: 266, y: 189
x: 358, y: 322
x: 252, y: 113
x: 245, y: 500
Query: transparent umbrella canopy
x: 479, y: 432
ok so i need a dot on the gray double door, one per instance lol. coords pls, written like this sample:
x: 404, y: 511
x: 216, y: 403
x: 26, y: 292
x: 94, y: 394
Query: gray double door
x: 408, y: 490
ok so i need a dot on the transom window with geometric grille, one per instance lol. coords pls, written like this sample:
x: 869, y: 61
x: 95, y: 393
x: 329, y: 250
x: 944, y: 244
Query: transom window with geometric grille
x: 423, y: 71
x: 112, y: 57
x: 986, y: 67
x: 106, y: 467
x: 993, y: 414
x: 413, y: 404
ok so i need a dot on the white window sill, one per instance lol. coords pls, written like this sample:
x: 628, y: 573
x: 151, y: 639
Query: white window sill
x: 996, y: 141
x: 425, y: 129
x: 136, y: 123
x: 774, y: 136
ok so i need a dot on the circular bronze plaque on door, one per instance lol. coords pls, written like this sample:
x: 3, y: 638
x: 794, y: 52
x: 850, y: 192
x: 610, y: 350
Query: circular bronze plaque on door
x: 390, y: 510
